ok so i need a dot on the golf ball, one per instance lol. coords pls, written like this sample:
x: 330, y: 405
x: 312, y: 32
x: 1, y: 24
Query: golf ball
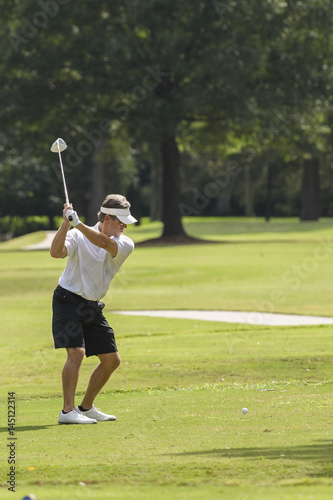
x: 29, y: 497
x: 244, y: 411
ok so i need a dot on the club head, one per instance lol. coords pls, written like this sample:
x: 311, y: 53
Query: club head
x: 61, y: 143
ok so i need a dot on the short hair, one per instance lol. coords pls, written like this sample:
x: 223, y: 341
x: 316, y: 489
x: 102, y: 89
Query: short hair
x: 113, y: 201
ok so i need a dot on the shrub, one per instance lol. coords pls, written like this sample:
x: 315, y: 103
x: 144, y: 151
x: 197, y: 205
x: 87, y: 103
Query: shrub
x: 17, y: 226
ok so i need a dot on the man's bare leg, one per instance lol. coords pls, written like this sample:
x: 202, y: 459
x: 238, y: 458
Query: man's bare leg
x: 108, y: 364
x: 70, y: 376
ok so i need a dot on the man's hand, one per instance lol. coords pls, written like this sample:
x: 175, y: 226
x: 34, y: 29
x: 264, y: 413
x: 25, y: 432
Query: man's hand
x: 64, y: 214
x: 72, y: 217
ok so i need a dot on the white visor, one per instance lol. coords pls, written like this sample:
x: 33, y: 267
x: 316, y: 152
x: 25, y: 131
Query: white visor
x: 123, y: 214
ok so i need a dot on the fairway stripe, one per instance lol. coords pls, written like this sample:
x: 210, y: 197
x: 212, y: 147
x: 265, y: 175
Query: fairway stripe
x: 250, y: 318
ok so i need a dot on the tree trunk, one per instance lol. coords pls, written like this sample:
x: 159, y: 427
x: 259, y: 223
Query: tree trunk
x: 156, y: 186
x: 134, y: 198
x: 268, y: 193
x: 97, y: 186
x: 171, y: 196
x: 310, y: 209
x: 249, y: 194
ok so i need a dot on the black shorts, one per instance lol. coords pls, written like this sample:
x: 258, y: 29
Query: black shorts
x: 78, y: 322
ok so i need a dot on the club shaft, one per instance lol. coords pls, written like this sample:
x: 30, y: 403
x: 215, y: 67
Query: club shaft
x: 63, y: 175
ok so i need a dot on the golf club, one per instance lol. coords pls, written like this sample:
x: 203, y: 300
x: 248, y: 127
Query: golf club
x: 58, y: 146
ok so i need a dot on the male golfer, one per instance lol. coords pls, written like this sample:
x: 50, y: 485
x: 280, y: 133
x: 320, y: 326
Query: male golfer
x: 95, y: 255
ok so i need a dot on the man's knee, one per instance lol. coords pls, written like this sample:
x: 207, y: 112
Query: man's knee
x: 75, y: 354
x: 117, y: 360
x: 110, y: 361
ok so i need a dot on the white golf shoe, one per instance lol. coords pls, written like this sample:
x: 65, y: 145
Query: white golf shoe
x: 96, y: 414
x: 75, y: 417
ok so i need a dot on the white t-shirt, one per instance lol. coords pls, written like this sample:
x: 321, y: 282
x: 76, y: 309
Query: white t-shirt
x: 90, y: 269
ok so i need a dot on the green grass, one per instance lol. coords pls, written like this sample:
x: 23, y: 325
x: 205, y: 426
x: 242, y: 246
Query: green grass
x: 22, y: 241
x: 224, y: 229
x: 183, y: 440
x: 240, y: 229
x: 255, y: 229
x: 179, y: 391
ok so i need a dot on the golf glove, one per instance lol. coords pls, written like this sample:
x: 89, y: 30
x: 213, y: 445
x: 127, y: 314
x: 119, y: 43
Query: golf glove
x: 72, y: 217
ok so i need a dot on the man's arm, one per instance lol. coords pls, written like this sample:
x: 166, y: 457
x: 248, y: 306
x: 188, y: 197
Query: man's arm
x: 58, y: 249
x: 99, y: 239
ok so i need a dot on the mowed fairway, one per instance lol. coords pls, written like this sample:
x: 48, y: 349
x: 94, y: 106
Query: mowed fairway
x: 182, y: 384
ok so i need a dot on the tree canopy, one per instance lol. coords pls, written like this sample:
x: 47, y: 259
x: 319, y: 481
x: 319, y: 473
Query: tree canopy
x: 176, y: 88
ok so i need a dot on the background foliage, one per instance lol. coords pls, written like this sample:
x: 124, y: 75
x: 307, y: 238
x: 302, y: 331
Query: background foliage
x: 221, y: 107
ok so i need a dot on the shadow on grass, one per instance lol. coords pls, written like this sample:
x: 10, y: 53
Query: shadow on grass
x: 319, y: 453
x: 25, y: 428
x: 165, y: 241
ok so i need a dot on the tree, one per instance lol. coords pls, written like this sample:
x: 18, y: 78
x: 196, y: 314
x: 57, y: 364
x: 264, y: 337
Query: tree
x: 302, y: 62
x: 153, y: 69
x: 150, y: 65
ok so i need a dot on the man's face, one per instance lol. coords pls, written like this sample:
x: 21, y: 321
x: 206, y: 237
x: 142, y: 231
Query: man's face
x: 113, y: 226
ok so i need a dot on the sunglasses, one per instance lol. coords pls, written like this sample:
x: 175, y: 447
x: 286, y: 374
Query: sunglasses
x: 114, y: 217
